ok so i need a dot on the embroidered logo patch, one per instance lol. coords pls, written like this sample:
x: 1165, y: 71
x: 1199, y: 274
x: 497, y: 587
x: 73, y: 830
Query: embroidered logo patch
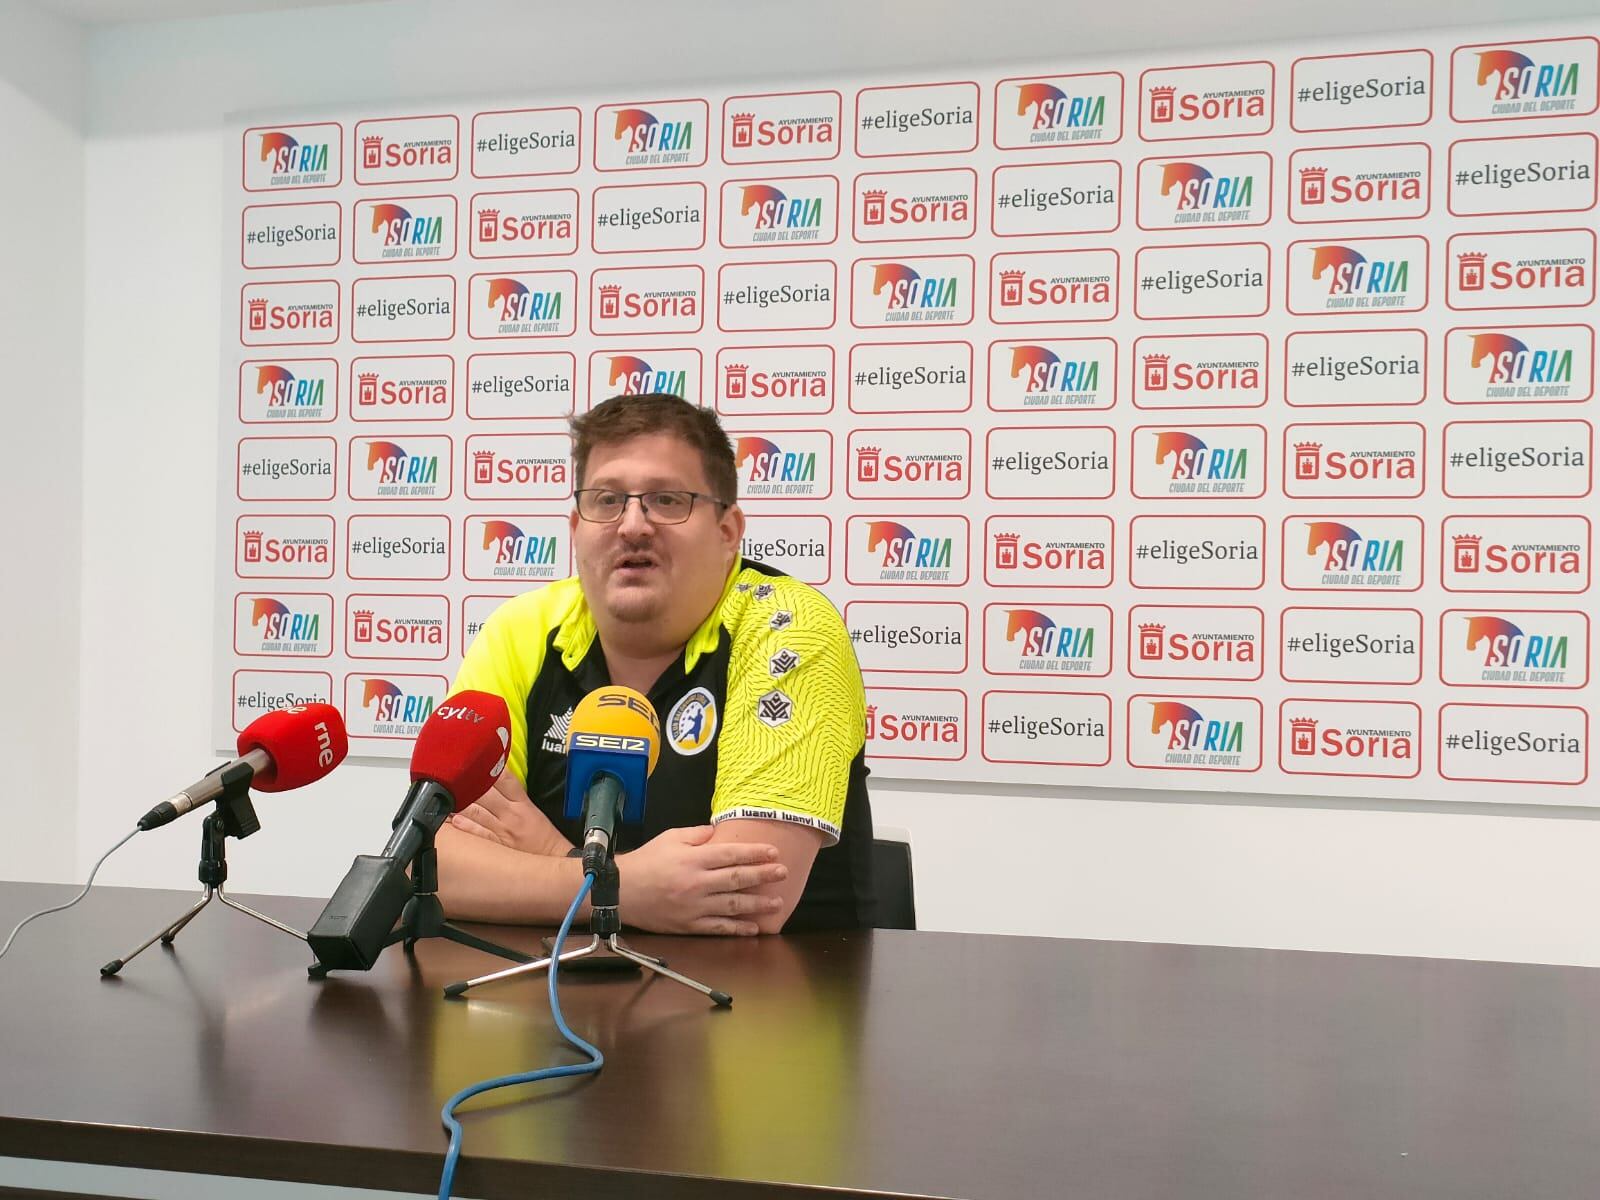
x: 692, y: 722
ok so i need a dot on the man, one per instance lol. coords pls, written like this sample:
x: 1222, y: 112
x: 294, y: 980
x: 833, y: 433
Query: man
x: 757, y: 818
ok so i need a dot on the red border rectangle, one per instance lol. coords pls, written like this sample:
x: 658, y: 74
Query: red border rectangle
x: 594, y: 282
x: 698, y: 400
x: 455, y: 309
x: 350, y: 470
x: 855, y: 224
x: 333, y: 414
x: 455, y: 229
x: 988, y: 455
x: 966, y: 630
x: 1422, y: 557
x: 238, y: 541
x: 716, y: 383
x: 594, y: 215
x: 527, y: 584
x: 1111, y: 554
x: 977, y: 117
x: 983, y: 719
x: 1444, y: 549
x: 784, y: 516
x: 850, y: 372
x: 1272, y: 101
x: 449, y: 555
x: 1261, y: 641
x: 1138, y: 183
x: 1266, y: 285
x: 355, y: 389
x: 280, y: 657
x: 1439, y: 744
x: 1111, y: 642
x: 1116, y: 354
x: 1433, y: 88
x: 1531, y: 116
x: 338, y: 298
x: 834, y: 179
x: 966, y: 575
x: 234, y: 689
x: 349, y: 624
x: 1133, y: 465
x: 472, y: 164
x: 1427, y: 183
x: 734, y: 434
x: 467, y: 482
x: 966, y: 433
x: 1427, y: 282
x: 1588, y: 636
x: 1450, y: 173
x: 338, y: 241
x: 1266, y: 369
x: 1353, y: 333
x: 355, y: 138
x: 577, y: 223
x: 1288, y: 608
x: 965, y: 713
x: 338, y: 158
x: 994, y: 193
x: 1261, y: 733
x: 380, y: 737
x: 1208, y: 517
x: 1589, y: 329
x: 994, y: 292
x: 1482, y: 233
x: 1283, y: 704
x: 1444, y: 456
x: 332, y: 483
x: 467, y: 384
x: 1122, y: 108
x: 1422, y: 461
x: 600, y: 108
x: 833, y: 265
x: 522, y: 337
x: 838, y: 123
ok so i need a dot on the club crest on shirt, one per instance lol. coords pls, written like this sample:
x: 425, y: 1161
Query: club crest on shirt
x: 692, y: 722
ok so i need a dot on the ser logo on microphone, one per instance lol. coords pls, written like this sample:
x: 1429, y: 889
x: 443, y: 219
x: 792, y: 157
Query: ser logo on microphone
x: 622, y: 700
x: 611, y: 741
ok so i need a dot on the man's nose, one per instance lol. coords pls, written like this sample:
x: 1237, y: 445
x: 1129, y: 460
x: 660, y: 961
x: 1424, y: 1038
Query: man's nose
x: 633, y: 521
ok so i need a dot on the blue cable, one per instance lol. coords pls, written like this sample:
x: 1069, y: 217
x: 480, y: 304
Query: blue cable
x: 596, y: 1059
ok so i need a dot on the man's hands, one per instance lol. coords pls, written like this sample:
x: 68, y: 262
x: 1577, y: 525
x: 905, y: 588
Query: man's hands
x: 682, y: 882
x: 678, y: 882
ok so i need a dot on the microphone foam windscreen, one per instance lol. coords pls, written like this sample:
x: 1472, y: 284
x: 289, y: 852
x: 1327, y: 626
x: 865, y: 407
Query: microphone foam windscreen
x: 305, y: 743
x: 462, y: 746
x: 620, y: 711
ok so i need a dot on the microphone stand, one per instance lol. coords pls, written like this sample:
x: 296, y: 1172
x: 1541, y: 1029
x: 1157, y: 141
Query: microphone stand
x: 234, y: 816
x: 423, y: 916
x: 605, y: 927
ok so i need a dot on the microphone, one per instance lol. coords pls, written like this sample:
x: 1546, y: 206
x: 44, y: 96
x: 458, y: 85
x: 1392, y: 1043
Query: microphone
x: 612, y: 745
x: 278, y: 752
x: 460, y: 751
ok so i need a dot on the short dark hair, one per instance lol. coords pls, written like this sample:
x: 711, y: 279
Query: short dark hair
x: 624, y: 417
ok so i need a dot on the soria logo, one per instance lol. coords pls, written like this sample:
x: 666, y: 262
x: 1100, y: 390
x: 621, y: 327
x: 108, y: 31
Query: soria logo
x: 1516, y: 554
x: 1548, y: 77
x: 292, y: 156
x: 407, y: 149
x: 1549, y: 363
x: 670, y: 133
x: 1058, y: 110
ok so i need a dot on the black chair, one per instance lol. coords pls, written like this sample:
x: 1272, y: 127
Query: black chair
x: 891, y: 880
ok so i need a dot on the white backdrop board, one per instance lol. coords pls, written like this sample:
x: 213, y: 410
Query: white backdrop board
x: 1222, y: 424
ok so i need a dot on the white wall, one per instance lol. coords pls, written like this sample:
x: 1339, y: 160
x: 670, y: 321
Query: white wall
x: 41, y: 413
x: 1438, y: 880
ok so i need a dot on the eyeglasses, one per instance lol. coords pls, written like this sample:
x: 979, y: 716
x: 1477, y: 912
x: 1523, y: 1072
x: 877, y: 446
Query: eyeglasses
x: 664, y: 508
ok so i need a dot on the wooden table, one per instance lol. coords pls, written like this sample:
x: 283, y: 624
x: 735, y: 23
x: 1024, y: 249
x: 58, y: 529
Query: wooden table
x: 868, y: 1064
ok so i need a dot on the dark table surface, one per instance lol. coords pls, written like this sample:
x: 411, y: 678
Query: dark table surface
x: 878, y: 1063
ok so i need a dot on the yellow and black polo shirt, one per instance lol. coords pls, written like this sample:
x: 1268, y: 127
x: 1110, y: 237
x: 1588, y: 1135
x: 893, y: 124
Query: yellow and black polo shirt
x: 762, y: 716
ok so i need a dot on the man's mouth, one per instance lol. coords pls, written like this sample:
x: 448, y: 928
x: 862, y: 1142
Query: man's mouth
x: 634, y: 563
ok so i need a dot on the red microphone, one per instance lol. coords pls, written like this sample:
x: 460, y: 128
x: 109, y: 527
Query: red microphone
x: 278, y: 752
x: 463, y: 745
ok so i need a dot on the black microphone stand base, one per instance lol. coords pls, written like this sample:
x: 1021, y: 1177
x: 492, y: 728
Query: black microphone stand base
x: 235, y: 816
x: 423, y: 917
x: 605, y: 942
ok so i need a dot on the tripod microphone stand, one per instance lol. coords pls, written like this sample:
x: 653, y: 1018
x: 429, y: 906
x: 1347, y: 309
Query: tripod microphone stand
x: 235, y: 817
x: 605, y: 928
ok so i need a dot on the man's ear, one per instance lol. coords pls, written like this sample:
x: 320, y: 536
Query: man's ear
x: 731, y: 527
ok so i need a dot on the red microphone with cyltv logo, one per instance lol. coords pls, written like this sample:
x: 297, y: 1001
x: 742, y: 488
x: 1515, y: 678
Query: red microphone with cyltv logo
x: 278, y: 752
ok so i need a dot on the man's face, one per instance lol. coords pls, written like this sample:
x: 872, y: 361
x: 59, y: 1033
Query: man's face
x: 636, y: 571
